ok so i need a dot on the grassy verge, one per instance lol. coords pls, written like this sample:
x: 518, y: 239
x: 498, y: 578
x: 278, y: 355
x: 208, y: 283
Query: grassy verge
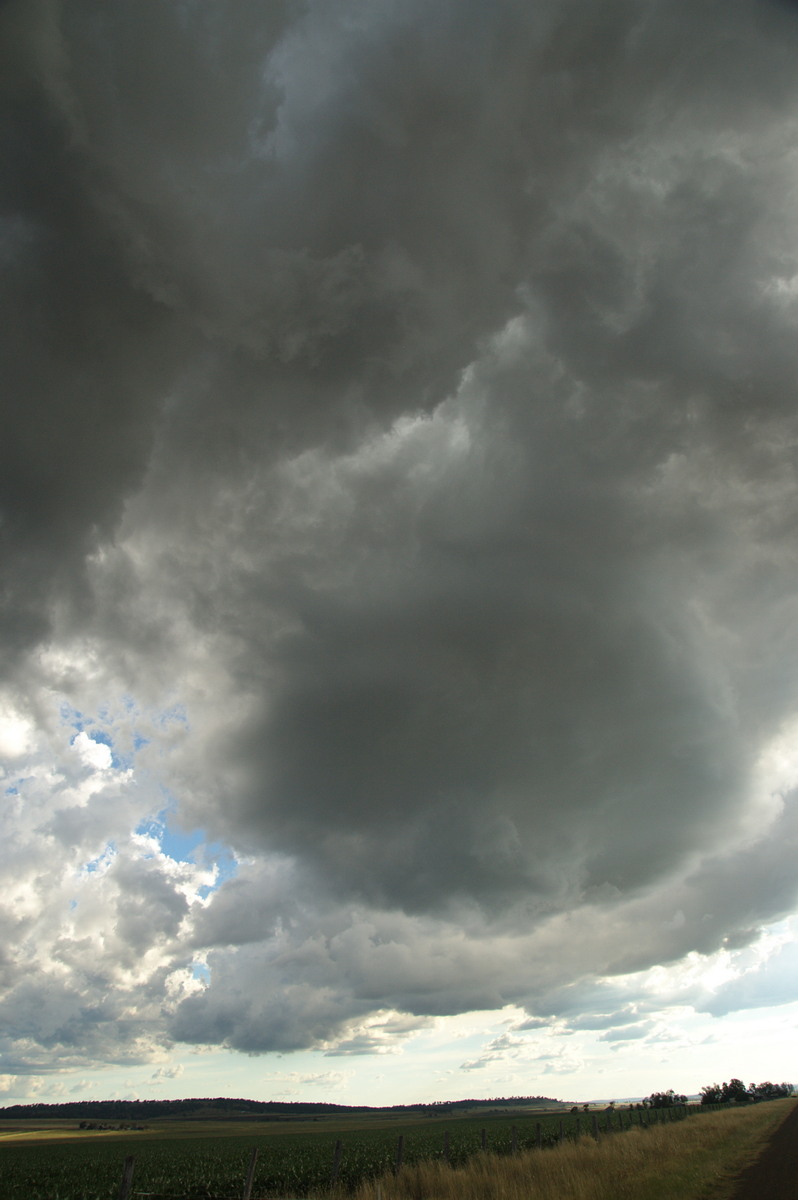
x: 687, y: 1160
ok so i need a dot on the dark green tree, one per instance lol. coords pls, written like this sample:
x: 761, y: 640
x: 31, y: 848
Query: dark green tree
x: 665, y: 1099
x: 769, y: 1091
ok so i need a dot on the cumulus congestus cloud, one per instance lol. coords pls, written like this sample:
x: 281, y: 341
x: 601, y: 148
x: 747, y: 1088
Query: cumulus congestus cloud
x: 398, y: 486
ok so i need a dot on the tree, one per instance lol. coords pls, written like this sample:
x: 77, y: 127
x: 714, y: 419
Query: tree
x: 769, y: 1091
x: 733, y: 1092
x: 665, y: 1099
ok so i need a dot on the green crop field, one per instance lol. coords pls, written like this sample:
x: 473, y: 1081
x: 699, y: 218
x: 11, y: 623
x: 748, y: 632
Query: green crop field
x: 198, y: 1160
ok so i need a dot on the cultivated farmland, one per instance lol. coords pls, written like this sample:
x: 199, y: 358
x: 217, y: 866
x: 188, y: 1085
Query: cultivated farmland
x: 202, y: 1160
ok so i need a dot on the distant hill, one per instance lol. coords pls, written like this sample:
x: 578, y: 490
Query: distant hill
x: 222, y: 1107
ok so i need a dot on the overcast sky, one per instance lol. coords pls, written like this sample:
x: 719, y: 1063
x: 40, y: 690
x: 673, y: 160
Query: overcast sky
x: 399, y: 547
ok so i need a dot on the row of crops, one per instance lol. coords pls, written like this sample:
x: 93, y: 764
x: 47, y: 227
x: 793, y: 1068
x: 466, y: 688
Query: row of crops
x: 288, y: 1164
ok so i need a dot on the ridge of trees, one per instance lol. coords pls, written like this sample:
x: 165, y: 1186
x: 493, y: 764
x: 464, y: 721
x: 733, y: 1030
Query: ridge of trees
x: 222, y: 1106
x: 664, y: 1099
x: 735, y: 1090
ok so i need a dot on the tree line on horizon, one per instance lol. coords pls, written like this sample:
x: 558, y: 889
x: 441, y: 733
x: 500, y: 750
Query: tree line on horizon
x: 734, y: 1091
x: 273, y: 1109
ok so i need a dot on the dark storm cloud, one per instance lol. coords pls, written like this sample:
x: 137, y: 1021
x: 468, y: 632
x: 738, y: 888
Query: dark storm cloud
x: 407, y: 392
x: 86, y: 355
x: 519, y: 599
x: 171, y: 191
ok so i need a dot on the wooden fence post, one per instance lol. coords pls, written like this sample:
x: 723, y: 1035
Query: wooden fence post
x: 446, y: 1145
x: 484, y: 1139
x: 578, y: 1129
x: 513, y: 1140
x: 127, y: 1178
x: 336, y: 1162
x: 250, y: 1179
x: 595, y: 1126
x: 400, y: 1153
x: 538, y: 1136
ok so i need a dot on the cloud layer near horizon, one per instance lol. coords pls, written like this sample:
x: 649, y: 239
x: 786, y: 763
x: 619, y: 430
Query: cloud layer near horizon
x: 398, y: 483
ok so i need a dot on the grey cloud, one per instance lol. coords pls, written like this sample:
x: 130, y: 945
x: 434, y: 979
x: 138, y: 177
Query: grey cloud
x: 451, y: 670
x: 263, y: 1011
x: 612, y: 1020
x: 381, y: 1035
x: 355, y: 1047
x: 629, y: 1033
x: 408, y: 392
x: 330, y: 967
x: 381, y: 1038
x: 165, y: 1073
x: 537, y: 613
x: 50, y: 1024
x: 249, y: 908
x: 149, y: 907
x: 532, y: 1023
x: 724, y: 901
x: 762, y: 986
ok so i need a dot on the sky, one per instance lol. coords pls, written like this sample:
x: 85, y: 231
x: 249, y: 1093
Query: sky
x: 398, y: 537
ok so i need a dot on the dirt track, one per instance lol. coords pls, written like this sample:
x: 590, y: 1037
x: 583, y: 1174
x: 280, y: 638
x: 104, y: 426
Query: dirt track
x: 774, y: 1175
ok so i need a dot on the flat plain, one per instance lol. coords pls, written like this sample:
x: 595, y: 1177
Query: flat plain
x: 198, y: 1159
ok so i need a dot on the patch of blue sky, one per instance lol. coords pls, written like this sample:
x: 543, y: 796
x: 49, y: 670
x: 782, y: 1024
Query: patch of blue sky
x: 181, y: 845
x: 194, y: 847
x: 149, y: 828
x: 133, y: 735
x: 119, y: 762
x: 105, y: 713
x: 72, y: 716
x: 190, y: 846
x: 101, y: 860
x: 200, y: 971
x: 169, y: 716
x: 100, y: 726
x: 226, y: 868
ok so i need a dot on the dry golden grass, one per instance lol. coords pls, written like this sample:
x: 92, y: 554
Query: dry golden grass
x: 686, y: 1160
